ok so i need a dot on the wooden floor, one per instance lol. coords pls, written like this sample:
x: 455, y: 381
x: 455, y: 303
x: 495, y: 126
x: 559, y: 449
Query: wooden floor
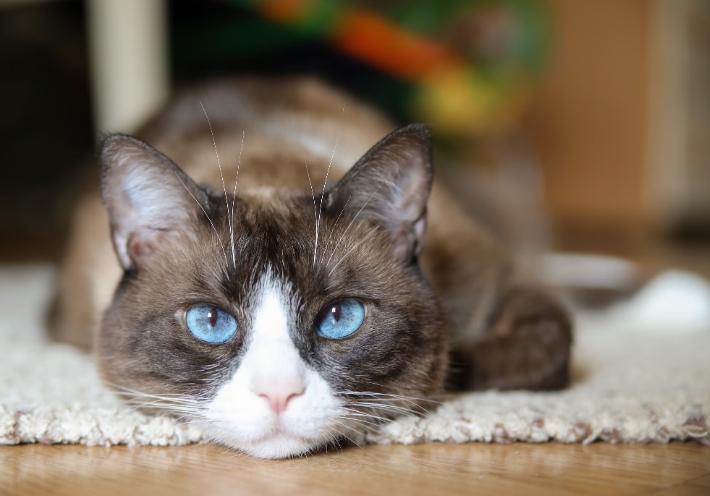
x: 437, y: 469
x: 471, y: 469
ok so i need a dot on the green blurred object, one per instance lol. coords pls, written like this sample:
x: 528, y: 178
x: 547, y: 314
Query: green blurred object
x: 503, y: 46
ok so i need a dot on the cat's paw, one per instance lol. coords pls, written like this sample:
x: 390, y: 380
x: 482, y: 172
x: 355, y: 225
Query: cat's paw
x: 526, y: 347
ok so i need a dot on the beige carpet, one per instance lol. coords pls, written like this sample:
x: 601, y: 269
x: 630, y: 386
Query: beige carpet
x: 640, y: 383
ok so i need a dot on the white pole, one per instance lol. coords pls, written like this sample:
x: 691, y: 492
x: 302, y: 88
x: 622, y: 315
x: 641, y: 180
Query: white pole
x: 129, y: 61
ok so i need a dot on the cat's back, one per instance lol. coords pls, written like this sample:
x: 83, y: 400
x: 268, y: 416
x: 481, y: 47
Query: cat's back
x: 268, y: 130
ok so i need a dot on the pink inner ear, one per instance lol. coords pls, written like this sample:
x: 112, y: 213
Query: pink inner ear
x: 409, y: 239
x: 140, y: 248
x: 147, y: 196
x: 419, y: 232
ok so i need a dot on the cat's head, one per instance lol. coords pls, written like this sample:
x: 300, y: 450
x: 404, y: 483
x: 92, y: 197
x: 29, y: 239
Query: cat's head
x: 280, y: 324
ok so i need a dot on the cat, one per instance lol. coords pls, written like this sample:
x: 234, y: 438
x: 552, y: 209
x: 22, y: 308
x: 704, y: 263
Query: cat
x: 291, y: 275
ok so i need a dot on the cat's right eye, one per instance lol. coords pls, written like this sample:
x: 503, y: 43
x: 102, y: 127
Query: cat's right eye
x: 210, y: 324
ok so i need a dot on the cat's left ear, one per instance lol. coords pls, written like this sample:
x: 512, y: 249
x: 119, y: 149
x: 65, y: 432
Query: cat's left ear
x: 390, y: 184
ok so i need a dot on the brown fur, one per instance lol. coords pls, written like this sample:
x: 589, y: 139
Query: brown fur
x: 504, y: 332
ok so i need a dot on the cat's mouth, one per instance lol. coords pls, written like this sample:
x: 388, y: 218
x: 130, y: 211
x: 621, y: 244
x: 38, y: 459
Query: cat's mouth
x: 280, y: 432
x: 277, y: 442
x: 278, y: 429
x: 274, y: 436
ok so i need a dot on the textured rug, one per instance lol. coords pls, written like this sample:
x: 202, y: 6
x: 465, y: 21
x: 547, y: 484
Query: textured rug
x: 637, y: 383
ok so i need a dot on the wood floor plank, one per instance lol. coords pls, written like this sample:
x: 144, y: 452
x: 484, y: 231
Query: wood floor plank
x: 695, y: 487
x: 549, y: 469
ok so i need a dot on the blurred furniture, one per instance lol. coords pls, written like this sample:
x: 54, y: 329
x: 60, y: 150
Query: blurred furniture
x: 620, y: 123
x: 622, y: 120
x: 129, y: 61
x: 679, y: 152
x: 128, y: 51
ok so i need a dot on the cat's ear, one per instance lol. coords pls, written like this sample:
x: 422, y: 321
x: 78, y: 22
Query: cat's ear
x: 390, y: 184
x: 148, y: 198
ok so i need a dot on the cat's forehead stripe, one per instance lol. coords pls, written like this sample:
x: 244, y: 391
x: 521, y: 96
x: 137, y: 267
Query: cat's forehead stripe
x: 271, y: 312
x: 271, y: 354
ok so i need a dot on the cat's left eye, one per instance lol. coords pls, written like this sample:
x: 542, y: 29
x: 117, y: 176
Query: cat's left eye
x: 210, y: 324
x: 340, y: 318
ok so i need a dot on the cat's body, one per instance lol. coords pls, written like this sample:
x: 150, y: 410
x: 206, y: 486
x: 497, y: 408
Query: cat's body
x: 275, y: 257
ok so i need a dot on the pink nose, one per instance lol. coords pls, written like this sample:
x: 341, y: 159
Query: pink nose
x: 279, y: 394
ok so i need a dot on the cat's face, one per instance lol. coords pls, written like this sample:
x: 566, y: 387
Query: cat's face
x: 233, y: 318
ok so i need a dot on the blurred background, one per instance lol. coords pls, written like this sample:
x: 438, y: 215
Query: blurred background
x: 599, y: 108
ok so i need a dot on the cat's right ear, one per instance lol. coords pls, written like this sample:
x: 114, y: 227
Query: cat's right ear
x: 148, y: 198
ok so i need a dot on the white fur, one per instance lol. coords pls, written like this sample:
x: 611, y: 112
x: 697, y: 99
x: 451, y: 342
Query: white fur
x: 240, y: 418
x: 673, y: 302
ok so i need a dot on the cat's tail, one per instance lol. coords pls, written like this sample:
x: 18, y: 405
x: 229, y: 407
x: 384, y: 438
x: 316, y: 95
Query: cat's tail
x: 621, y: 294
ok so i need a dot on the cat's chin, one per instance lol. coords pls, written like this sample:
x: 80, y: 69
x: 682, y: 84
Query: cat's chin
x: 274, y: 446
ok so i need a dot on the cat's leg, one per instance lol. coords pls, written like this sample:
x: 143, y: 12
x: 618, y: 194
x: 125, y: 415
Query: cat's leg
x: 88, y: 276
x: 507, y: 333
x: 526, y: 346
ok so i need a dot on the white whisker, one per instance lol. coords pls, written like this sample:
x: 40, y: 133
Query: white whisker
x: 315, y: 215
x: 386, y: 396
x: 224, y: 187
x: 351, y: 223
x: 208, y: 218
x: 386, y: 407
x: 344, y: 257
x: 322, y: 194
x: 354, y: 414
x: 345, y: 436
x: 332, y: 230
x: 236, y: 181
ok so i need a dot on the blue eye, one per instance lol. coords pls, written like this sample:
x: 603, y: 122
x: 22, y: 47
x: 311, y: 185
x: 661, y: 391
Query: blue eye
x: 211, y: 324
x: 340, y: 319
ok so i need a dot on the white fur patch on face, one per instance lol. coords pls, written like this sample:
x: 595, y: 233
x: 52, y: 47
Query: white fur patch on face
x: 275, y: 405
